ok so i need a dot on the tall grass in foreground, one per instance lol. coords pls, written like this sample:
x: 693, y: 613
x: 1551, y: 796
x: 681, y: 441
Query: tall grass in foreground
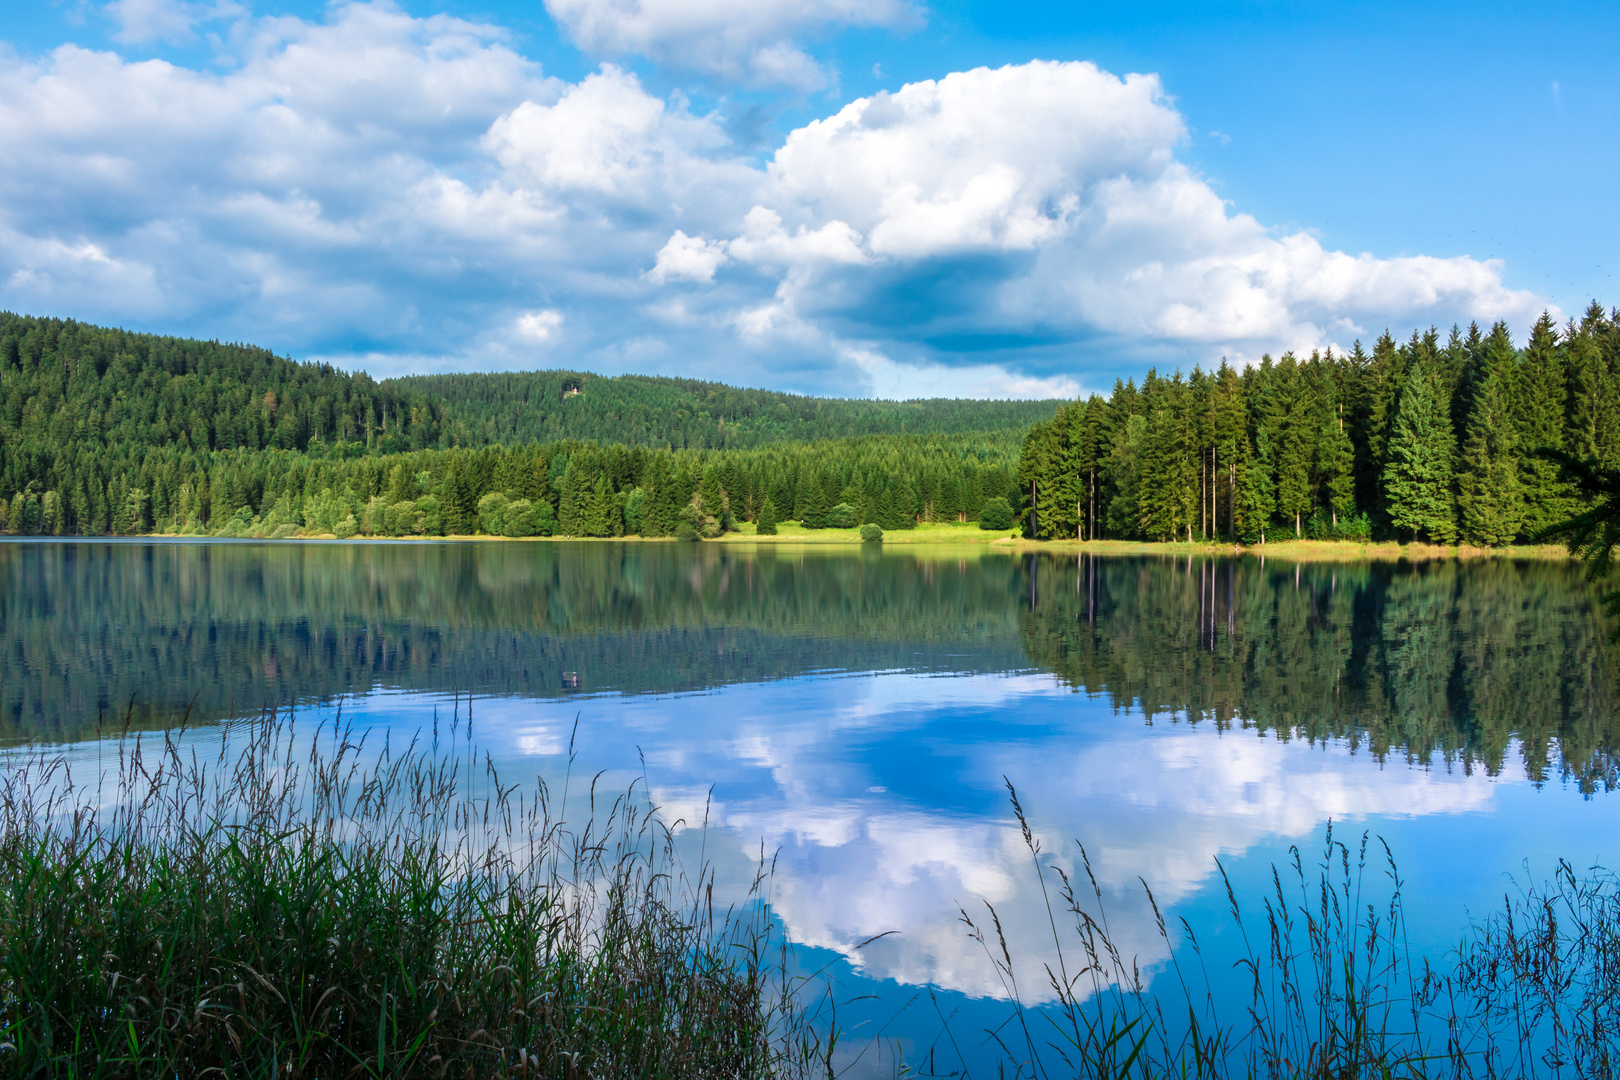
x: 1332, y: 988
x: 310, y: 907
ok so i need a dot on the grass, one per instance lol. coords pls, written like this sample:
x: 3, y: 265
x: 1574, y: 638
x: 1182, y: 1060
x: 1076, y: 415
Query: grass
x: 1333, y: 990
x: 293, y: 904
x: 298, y: 907
x: 969, y: 533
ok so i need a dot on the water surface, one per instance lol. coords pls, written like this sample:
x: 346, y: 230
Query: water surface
x: 861, y: 711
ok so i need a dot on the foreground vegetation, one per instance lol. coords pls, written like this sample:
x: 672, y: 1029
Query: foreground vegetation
x: 1327, y: 987
x: 306, y: 907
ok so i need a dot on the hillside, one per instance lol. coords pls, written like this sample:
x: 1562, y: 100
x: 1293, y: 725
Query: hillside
x: 106, y: 431
x: 643, y: 410
x: 68, y: 389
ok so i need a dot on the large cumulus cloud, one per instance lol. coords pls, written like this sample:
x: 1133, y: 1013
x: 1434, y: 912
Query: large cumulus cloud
x: 409, y: 194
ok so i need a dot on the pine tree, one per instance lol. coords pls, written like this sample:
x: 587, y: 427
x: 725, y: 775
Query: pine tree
x: 816, y: 503
x: 1335, y: 458
x: 766, y: 525
x: 597, y: 519
x: 1489, y: 495
x: 1381, y: 390
x: 1296, y: 438
x: 1540, y: 408
x: 1419, y: 473
x: 574, y: 506
x: 1231, y: 451
x: 1593, y: 429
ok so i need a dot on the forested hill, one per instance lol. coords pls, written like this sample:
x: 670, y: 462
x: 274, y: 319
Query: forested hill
x: 68, y: 388
x: 643, y: 410
x: 1437, y: 438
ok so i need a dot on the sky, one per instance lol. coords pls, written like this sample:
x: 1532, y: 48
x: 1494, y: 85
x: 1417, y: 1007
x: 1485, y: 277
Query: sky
x: 845, y: 197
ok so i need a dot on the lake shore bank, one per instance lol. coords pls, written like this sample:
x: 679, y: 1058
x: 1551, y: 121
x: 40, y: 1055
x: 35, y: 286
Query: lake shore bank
x: 970, y: 535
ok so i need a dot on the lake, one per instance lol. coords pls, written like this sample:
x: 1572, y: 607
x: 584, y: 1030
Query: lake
x: 860, y: 712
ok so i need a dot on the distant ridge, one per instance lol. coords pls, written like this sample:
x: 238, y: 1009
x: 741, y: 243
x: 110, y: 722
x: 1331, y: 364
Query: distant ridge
x: 648, y: 410
x: 67, y: 386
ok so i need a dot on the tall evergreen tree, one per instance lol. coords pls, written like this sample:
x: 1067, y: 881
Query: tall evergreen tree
x: 1419, y: 474
x: 1489, y: 495
x: 1541, y: 402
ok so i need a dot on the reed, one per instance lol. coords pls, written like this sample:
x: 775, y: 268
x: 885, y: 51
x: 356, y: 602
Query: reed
x: 1333, y: 989
x: 294, y: 904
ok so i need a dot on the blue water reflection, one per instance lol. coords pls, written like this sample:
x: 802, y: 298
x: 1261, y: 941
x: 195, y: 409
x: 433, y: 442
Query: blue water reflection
x: 859, y: 716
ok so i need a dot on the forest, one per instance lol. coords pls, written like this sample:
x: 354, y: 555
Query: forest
x: 109, y: 432
x: 1429, y: 440
x: 105, y: 432
x: 643, y: 410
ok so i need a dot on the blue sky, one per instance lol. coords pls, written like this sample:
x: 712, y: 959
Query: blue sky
x: 885, y: 197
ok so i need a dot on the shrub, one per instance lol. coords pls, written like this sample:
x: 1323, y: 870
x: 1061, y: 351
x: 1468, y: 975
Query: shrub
x: 843, y: 516
x: 518, y: 519
x: 871, y: 533
x: 492, y: 513
x: 430, y: 513
x: 996, y: 515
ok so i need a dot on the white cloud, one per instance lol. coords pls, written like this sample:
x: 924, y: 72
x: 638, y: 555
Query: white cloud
x: 539, y: 326
x: 748, y: 40
x: 688, y: 258
x: 402, y: 192
x: 1064, y: 178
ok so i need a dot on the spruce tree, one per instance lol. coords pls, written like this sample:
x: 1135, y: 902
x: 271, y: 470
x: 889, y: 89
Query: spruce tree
x: 1419, y: 473
x: 1540, y: 405
x: 1231, y: 444
x: 598, y: 509
x: 573, y: 508
x: 1295, y: 417
x: 1335, y: 459
x: 816, y: 503
x: 1593, y: 429
x: 766, y: 526
x: 1489, y: 495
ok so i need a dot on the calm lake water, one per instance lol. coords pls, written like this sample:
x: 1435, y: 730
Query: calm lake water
x: 861, y: 711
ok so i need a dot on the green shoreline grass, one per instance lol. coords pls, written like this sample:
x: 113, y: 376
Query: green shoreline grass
x: 970, y: 535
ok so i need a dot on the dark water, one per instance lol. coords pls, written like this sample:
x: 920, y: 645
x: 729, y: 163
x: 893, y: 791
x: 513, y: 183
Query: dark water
x: 861, y: 711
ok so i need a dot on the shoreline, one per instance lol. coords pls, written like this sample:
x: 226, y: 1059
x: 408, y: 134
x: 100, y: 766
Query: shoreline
x: 964, y: 535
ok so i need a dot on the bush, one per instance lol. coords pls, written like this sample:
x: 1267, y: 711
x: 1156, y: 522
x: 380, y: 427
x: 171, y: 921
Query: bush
x: 843, y: 516
x: 492, y: 513
x: 871, y: 533
x: 518, y: 520
x: 685, y: 531
x: 996, y: 515
x: 430, y: 512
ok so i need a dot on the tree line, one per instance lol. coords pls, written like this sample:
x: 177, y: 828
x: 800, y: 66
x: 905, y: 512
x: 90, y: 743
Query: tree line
x: 104, y: 431
x: 562, y: 489
x: 1439, y: 440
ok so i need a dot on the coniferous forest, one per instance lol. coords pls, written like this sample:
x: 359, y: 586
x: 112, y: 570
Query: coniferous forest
x: 110, y: 432
x: 1434, y: 439
x: 104, y: 431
